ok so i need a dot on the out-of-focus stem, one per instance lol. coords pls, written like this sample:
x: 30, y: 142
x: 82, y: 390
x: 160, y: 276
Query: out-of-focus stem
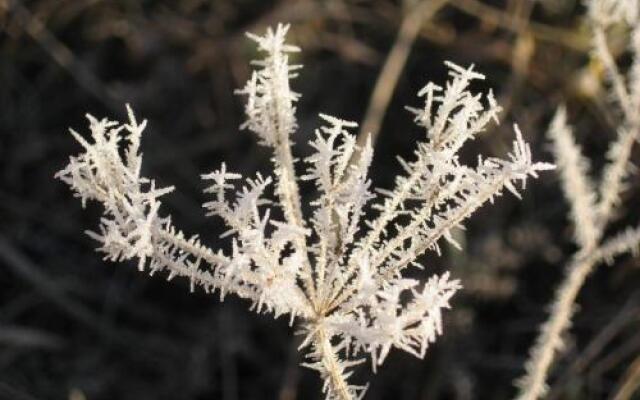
x: 393, y: 66
x: 550, y: 339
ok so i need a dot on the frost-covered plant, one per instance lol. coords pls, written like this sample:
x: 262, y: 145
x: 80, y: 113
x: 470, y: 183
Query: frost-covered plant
x: 593, y: 207
x: 340, y: 278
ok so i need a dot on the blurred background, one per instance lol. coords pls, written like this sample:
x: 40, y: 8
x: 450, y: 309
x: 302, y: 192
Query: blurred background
x: 75, y: 327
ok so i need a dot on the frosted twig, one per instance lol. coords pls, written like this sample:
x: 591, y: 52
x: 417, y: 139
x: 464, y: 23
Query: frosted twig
x: 337, y: 275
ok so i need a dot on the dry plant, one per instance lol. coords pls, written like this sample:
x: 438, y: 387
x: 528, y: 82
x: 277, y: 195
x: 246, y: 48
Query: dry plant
x: 338, y: 277
x: 593, y: 207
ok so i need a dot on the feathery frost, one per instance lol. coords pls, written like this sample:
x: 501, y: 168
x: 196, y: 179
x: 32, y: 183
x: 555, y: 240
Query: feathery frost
x: 577, y: 186
x: 338, y: 276
x: 592, y: 207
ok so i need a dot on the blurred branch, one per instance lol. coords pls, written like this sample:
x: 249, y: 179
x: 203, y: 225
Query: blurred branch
x: 616, y: 356
x: 521, y: 54
x: 61, y: 54
x: 349, y: 48
x: 388, y: 78
x: 630, y: 382
x: 19, y: 336
x: 208, y: 50
x: 29, y: 272
x: 627, y: 315
x: 495, y: 16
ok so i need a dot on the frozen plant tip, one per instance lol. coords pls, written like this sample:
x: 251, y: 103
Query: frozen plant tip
x: 340, y: 278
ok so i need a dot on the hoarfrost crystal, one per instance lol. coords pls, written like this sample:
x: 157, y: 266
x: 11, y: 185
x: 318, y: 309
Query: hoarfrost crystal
x: 340, y: 277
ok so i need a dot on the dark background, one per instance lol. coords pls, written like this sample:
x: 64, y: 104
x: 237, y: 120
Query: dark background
x: 75, y: 327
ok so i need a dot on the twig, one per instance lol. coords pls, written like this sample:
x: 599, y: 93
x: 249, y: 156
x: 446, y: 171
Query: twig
x: 540, y: 31
x: 393, y: 66
x: 617, y: 356
x: 630, y: 382
x: 521, y: 55
x: 62, y: 55
x: 626, y: 315
x: 19, y: 336
x: 25, y: 269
